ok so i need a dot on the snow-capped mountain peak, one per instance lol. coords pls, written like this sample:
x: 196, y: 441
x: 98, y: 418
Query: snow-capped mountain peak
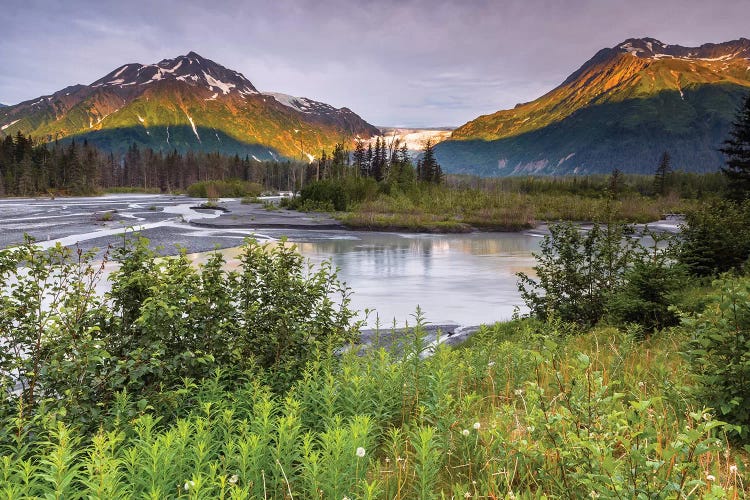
x: 302, y: 104
x: 190, y: 68
x: 651, y: 48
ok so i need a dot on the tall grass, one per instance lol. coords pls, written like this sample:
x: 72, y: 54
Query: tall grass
x: 456, y: 208
x: 523, y: 411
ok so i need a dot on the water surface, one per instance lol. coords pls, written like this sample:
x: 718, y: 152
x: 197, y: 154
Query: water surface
x: 466, y: 279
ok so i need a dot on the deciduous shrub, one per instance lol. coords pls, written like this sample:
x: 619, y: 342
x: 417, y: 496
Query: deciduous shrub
x: 163, y: 322
x: 577, y: 272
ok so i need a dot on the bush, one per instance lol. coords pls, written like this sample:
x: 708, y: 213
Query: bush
x: 162, y: 323
x: 577, y: 272
x: 224, y: 189
x: 339, y: 194
x: 650, y: 288
x: 716, y: 238
x: 719, y: 353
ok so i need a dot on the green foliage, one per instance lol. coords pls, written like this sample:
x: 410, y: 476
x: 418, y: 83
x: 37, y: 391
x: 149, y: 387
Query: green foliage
x: 523, y: 412
x: 737, y: 150
x: 650, y: 289
x: 163, y: 322
x: 716, y: 238
x: 663, y: 175
x: 577, y: 272
x: 336, y: 194
x: 719, y: 353
x: 224, y: 189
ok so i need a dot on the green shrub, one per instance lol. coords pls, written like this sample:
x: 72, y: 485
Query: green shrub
x: 719, y: 353
x: 162, y: 322
x: 650, y: 289
x: 577, y: 272
x: 224, y: 189
x: 716, y: 238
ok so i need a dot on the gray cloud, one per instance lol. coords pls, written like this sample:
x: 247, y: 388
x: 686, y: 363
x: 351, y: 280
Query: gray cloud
x: 406, y: 62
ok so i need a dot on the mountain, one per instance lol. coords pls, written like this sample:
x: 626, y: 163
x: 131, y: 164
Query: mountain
x: 621, y: 109
x: 185, y: 103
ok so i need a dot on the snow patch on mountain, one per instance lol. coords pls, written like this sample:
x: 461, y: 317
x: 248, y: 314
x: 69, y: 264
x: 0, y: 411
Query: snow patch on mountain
x: 10, y: 124
x: 192, y: 124
x: 121, y: 70
x: 213, y: 82
x: 301, y: 104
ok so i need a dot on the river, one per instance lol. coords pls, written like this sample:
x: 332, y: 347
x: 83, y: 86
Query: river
x: 464, y: 279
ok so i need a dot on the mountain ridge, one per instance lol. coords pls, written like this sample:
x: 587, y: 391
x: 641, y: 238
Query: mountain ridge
x: 633, y: 84
x: 140, y: 102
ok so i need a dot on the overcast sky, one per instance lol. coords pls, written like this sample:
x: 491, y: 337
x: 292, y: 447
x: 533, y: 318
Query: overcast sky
x: 401, y: 63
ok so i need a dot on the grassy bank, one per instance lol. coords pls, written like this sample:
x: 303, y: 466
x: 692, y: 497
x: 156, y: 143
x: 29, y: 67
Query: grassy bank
x: 452, y: 209
x: 509, y: 204
x: 525, y: 411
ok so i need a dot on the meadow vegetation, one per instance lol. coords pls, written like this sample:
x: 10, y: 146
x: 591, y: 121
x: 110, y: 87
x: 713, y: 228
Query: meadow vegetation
x: 460, y: 204
x: 208, y: 383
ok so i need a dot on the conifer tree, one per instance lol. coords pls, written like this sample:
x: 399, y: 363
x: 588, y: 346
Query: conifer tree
x: 431, y: 170
x: 360, y: 158
x: 737, y: 150
x: 662, y: 174
x: 377, y: 166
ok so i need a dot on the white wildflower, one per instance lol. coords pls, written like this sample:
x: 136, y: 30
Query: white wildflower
x: 234, y: 479
x: 465, y: 432
x: 188, y: 485
x: 518, y: 392
x: 477, y: 425
x: 710, y: 477
x: 467, y: 495
x: 360, y: 452
x: 733, y: 469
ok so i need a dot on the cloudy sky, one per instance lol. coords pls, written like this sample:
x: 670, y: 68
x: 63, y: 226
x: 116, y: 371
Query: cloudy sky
x: 401, y: 63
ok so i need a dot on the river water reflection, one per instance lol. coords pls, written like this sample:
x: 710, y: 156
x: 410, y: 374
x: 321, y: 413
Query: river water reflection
x: 468, y: 279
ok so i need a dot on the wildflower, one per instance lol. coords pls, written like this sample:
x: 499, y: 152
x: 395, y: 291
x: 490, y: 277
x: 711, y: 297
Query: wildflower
x: 491, y: 364
x: 518, y: 392
x: 465, y: 432
x: 346, y: 498
x: 188, y: 485
x: 360, y: 452
x: 234, y: 479
x: 733, y: 469
x: 477, y: 425
x: 467, y: 495
x: 594, y: 494
x: 710, y: 477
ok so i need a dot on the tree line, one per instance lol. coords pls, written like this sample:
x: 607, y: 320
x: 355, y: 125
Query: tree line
x: 29, y: 167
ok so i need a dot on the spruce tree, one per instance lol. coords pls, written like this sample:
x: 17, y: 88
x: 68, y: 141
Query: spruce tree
x: 377, y: 161
x: 662, y: 174
x: 737, y: 150
x: 360, y: 158
x: 430, y: 171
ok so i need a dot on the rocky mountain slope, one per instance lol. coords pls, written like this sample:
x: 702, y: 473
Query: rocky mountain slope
x: 185, y: 103
x: 621, y: 109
